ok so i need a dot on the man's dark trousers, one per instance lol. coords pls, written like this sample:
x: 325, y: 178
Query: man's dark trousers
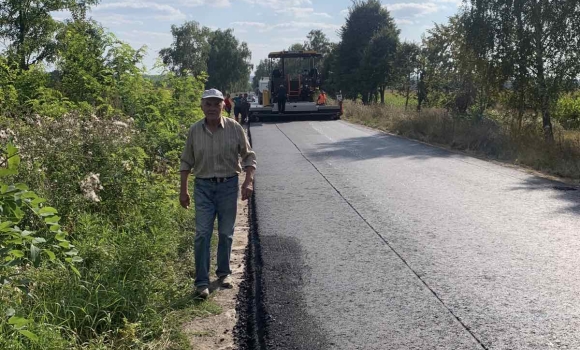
x: 281, y: 105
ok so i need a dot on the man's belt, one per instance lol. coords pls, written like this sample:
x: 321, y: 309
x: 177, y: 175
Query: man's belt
x: 218, y: 179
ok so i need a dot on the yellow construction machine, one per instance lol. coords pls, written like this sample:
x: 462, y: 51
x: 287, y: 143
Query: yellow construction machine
x: 297, y: 71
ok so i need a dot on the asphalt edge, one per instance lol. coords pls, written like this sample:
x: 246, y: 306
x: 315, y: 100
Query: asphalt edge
x: 250, y: 330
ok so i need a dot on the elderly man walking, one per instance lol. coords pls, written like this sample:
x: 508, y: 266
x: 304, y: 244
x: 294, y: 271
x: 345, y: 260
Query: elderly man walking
x: 212, y: 153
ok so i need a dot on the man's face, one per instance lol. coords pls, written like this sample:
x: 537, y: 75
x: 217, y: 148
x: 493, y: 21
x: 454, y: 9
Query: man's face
x: 212, y: 108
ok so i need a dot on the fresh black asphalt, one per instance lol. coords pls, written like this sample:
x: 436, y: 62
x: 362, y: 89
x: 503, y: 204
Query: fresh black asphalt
x: 371, y: 241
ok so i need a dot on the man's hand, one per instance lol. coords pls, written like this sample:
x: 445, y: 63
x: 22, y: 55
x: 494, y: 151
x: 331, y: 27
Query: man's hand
x: 247, y: 189
x: 184, y: 200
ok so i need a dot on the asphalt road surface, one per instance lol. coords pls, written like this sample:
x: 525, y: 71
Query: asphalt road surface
x: 371, y: 241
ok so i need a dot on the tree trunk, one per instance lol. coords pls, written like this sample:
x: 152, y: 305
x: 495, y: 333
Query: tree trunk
x: 522, y: 69
x: 408, y: 91
x: 21, y: 38
x: 542, y: 85
x: 382, y: 92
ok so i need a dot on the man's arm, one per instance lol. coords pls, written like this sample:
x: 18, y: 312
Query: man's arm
x: 184, y: 198
x: 248, y: 185
x: 248, y: 163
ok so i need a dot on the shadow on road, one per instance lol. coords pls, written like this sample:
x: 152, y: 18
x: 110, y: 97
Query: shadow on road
x: 564, y: 192
x: 379, y: 146
x: 386, y: 146
x: 289, y: 118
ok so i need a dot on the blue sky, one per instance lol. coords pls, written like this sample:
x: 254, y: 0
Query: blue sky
x: 266, y: 25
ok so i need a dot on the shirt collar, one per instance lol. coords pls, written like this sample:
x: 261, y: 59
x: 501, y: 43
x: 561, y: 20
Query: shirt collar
x: 222, y: 122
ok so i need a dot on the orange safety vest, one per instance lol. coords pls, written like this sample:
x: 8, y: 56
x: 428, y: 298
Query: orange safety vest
x: 321, y: 99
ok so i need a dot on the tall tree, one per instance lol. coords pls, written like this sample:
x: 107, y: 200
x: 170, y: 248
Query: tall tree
x: 317, y: 41
x: 378, y: 62
x: 296, y: 65
x: 81, y: 63
x: 538, y: 36
x: 189, y: 51
x: 406, y: 65
x: 329, y: 64
x: 30, y: 29
x: 458, y: 76
x: 364, y: 20
x: 228, y: 61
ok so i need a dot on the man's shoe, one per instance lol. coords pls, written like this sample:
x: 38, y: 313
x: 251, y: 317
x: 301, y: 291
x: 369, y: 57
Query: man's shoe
x: 226, y: 282
x: 202, y: 292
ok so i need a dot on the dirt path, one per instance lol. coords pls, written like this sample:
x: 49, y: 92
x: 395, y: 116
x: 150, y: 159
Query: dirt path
x: 216, y: 332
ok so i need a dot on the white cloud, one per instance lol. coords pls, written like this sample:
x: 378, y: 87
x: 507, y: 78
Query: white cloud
x: 248, y: 24
x: 213, y: 3
x: 191, y: 3
x: 344, y: 12
x: 169, y: 12
x: 117, y: 20
x: 414, y: 9
x: 278, y: 4
x: 456, y: 2
x: 290, y: 40
x: 289, y: 26
x: 61, y: 15
x: 145, y: 33
x: 402, y: 21
x: 221, y: 3
x: 302, y: 25
x: 303, y: 12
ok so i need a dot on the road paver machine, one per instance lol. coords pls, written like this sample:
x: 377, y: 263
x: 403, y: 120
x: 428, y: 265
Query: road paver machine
x: 297, y: 71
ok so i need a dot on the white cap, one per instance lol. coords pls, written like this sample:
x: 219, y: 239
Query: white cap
x: 213, y: 93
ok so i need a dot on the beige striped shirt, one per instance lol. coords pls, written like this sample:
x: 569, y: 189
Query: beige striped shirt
x: 217, y: 154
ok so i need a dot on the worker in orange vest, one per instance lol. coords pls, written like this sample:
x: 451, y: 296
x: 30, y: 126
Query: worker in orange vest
x: 321, y: 98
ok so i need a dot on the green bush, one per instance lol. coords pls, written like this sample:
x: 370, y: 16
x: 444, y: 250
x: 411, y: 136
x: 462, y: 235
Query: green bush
x: 567, y: 112
x: 107, y: 158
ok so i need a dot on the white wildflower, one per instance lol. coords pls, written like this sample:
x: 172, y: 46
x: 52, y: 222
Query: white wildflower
x: 90, y: 186
x: 127, y: 165
x: 120, y: 123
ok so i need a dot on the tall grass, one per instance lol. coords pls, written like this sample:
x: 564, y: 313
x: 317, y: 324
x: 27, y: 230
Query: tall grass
x: 496, y: 136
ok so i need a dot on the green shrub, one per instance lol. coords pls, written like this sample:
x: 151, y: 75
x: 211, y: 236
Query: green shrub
x: 567, y: 112
x: 101, y: 143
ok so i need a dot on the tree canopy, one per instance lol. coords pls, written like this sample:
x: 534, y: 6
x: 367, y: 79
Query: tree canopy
x: 197, y: 49
x: 228, y: 61
x: 366, y: 21
x: 30, y: 28
x: 537, y: 42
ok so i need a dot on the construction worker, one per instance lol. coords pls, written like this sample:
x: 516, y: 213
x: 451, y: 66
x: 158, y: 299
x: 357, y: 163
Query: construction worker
x: 245, y: 108
x: 228, y: 105
x: 237, y: 107
x: 321, y: 98
x: 282, y: 97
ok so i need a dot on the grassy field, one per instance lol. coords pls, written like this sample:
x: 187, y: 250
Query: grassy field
x: 496, y: 137
x: 397, y: 99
